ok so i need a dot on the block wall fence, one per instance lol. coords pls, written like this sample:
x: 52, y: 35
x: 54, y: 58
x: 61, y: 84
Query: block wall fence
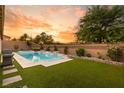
x: 92, y: 49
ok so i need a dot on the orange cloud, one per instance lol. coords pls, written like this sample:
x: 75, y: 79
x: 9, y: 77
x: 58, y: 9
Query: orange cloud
x: 66, y: 36
x: 53, y: 10
x: 16, y: 19
x: 73, y: 29
x: 59, y: 21
x: 79, y: 12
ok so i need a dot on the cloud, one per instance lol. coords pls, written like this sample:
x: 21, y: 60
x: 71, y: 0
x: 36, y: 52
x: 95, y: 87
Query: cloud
x: 16, y: 19
x: 73, y: 28
x: 77, y: 10
x: 66, y: 36
x: 59, y: 21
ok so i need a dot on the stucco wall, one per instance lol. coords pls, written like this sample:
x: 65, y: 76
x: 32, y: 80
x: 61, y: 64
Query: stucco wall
x: 0, y: 46
x: 10, y: 45
x: 93, y: 49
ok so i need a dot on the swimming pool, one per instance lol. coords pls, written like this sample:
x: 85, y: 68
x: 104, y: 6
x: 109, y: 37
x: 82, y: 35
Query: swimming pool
x: 45, y: 58
x: 41, y: 56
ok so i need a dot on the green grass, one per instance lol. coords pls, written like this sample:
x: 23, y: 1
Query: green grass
x: 75, y: 73
x: 18, y: 84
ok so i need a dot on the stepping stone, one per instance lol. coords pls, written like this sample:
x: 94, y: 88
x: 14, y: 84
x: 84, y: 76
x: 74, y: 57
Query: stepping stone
x: 11, y: 80
x: 9, y: 71
x: 11, y: 66
x: 25, y: 86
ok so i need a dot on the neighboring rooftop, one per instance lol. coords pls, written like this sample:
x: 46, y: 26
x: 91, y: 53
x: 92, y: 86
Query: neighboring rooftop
x: 5, y: 37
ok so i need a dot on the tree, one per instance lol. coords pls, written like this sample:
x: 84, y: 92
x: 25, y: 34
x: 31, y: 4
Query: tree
x: 37, y: 39
x: 43, y: 38
x: 49, y: 39
x: 102, y: 24
x: 24, y: 37
x: 46, y: 39
x: 14, y: 39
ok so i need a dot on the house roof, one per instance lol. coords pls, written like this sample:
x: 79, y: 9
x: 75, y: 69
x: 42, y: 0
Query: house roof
x: 6, y: 36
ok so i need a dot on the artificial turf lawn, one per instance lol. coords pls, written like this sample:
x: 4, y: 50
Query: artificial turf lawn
x: 75, y: 73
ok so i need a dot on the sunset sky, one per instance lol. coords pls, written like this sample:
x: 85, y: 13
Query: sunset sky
x: 59, y: 21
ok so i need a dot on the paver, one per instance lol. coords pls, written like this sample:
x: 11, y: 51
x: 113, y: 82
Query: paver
x: 11, y: 66
x: 9, y: 71
x: 11, y: 80
x: 25, y: 86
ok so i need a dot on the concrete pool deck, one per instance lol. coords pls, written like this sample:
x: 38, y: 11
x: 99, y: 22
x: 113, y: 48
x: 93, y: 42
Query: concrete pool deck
x: 26, y: 63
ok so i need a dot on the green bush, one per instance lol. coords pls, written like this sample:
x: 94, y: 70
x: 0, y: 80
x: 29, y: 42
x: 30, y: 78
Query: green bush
x: 88, y: 55
x: 41, y: 47
x: 80, y: 51
x: 16, y: 47
x: 29, y: 43
x: 114, y: 53
x: 48, y: 48
x: 55, y: 48
x: 66, y: 50
x: 99, y: 55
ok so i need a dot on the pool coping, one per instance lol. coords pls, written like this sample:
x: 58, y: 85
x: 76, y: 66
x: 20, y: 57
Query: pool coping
x: 26, y: 63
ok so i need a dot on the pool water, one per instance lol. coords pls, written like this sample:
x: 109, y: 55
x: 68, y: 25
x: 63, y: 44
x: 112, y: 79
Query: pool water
x: 41, y: 56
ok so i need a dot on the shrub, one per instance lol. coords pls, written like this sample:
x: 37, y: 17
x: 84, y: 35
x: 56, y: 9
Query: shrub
x: 66, y: 50
x: 16, y: 47
x: 55, y: 48
x: 48, y: 48
x: 21, y: 49
x: 99, y: 55
x: 41, y: 47
x: 88, y: 55
x: 29, y: 43
x: 114, y: 53
x: 80, y: 52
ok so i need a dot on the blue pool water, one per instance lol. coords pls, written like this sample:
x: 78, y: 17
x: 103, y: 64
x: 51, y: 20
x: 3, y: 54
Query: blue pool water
x: 41, y: 56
